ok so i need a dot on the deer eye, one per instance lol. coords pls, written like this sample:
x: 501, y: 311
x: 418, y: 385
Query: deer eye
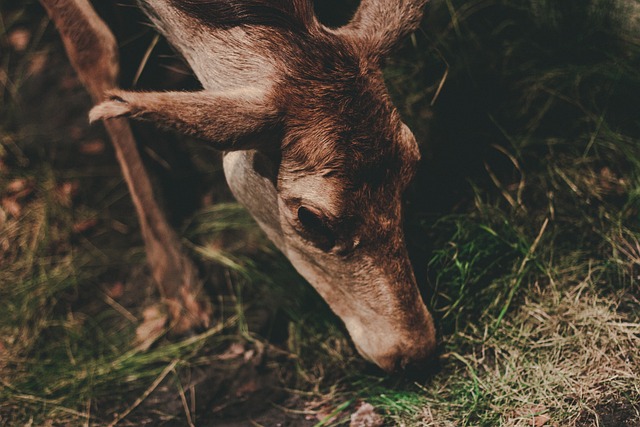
x: 316, y: 228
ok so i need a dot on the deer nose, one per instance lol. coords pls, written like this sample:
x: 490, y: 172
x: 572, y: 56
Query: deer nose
x: 411, y: 358
x: 394, y: 349
x: 411, y: 362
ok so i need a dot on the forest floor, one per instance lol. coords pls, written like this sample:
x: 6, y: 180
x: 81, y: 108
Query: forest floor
x: 523, y: 227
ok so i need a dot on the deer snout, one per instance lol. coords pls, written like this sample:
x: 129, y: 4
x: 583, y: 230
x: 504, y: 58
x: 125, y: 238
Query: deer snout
x: 380, y: 307
x: 394, y: 346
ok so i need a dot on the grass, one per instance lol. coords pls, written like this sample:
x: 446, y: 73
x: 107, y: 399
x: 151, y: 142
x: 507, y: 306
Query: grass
x: 523, y: 225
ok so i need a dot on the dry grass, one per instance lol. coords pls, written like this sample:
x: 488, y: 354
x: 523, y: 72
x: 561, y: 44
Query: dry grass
x: 523, y: 224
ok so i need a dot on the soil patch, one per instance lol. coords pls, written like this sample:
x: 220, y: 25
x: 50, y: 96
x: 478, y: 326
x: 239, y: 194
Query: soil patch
x: 611, y: 414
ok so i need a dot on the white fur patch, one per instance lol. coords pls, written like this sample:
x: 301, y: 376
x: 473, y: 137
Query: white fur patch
x: 108, y: 110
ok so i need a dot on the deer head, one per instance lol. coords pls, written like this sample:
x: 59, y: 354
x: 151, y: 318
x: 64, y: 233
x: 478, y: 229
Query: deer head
x: 313, y: 147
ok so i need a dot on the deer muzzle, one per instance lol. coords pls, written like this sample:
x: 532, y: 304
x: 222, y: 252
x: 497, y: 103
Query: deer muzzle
x: 384, y: 315
x: 391, y: 346
x: 374, y: 292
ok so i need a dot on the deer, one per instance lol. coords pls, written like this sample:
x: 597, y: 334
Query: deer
x: 312, y: 147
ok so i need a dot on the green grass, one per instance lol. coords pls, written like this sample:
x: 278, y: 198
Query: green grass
x: 523, y: 224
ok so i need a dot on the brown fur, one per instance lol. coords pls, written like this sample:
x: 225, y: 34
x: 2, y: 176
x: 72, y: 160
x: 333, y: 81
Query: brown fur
x: 378, y: 25
x: 296, y: 15
x: 224, y: 118
x: 278, y: 81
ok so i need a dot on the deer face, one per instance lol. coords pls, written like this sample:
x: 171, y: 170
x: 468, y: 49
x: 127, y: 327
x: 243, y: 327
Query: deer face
x: 314, y: 149
x: 356, y: 259
x: 344, y: 163
x: 348, y: 243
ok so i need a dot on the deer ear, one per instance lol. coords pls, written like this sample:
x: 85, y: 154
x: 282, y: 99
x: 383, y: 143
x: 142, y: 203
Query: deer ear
x: 225, y: 119
x: 378, y: 25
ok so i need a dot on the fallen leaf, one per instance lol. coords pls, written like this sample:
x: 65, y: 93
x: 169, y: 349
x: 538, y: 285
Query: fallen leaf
x: 19, y: 188
x: 93, y: 147
x: 610, y: 182
x: 67, y: 191
x: 324, y: 415
x: 248, y: 355
x: 540, y: 420
x: 119, y: 227
x: 19, y: 39
x: 16, y: 185
x: 248, y: 387
x: 82, y: 226
x: 365, y: 416
x: 533, y: 414
x: 234, y: 351
x: 37, y: 63
x: 3, y: 217
x: 152, y: 327
x: 11, y: 206
x: 115, y: 291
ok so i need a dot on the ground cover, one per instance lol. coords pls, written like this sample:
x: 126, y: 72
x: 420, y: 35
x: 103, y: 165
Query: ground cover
x: 523, y: 227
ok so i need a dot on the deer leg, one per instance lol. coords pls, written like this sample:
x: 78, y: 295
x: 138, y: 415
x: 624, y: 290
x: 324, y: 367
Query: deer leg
x: 93, y: 52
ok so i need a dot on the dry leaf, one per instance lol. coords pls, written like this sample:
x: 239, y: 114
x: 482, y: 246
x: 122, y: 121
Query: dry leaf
x: 82, y: 226
x: 19, y: 39
x: 37, y: 63
x: 11, y: 206
x: 533, y: 414
x: 16, y: 185
x: 115, y: 291
x: 248, y: 355
x: 365, y: 416
x: 610, y: 182
x: 67, y: 191
x: 151, y: 328
x: 234, y: 351
x: 93, y: 147
x: 540, y: 420
x: 3, y: 219
x: 324, y: 415
x: 248, y: 387
x: 19, y: 188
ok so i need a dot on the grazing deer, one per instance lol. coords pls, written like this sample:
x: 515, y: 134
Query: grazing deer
x: 313, y: 148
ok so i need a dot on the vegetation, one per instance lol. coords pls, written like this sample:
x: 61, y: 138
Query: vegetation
x: 523, y: 226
